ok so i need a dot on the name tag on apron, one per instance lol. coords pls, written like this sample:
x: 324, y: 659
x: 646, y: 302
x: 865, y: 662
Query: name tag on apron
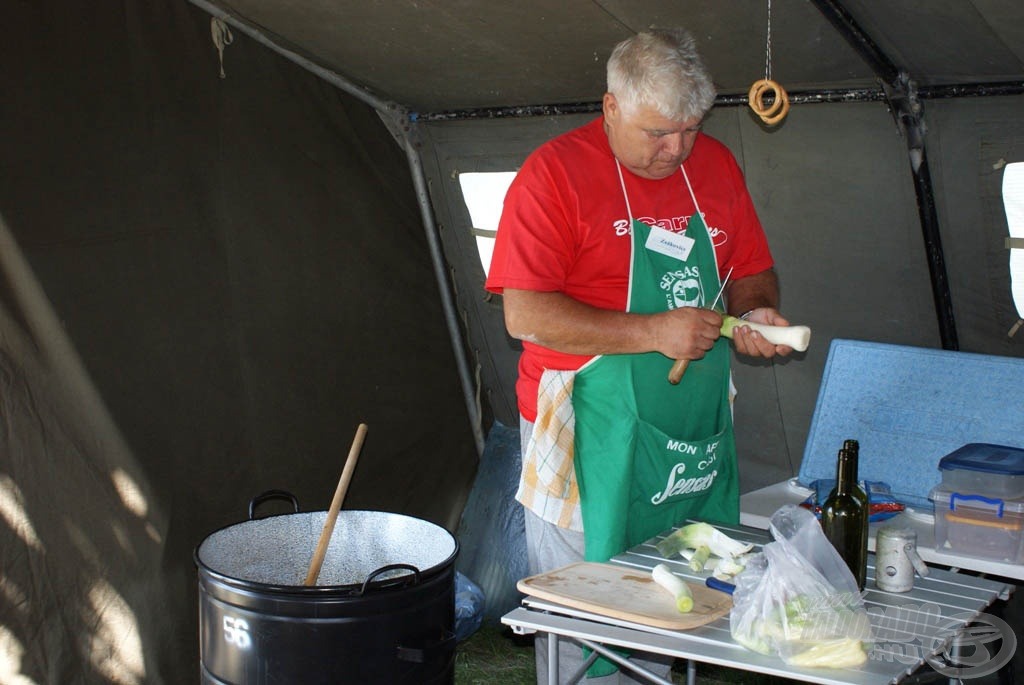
x: 668, y: 243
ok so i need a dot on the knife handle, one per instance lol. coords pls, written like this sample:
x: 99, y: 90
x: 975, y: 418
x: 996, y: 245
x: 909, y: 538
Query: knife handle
x: 720, y: 585
x: 675, y: 374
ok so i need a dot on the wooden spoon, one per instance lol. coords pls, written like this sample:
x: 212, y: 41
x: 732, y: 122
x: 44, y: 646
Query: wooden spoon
x: 332, y: 513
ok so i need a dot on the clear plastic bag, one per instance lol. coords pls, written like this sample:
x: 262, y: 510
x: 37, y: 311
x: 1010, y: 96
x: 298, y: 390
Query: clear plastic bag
x: 797, y: 598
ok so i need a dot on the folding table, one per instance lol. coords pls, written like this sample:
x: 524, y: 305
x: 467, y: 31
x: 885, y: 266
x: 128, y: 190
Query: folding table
x: 909, y: 626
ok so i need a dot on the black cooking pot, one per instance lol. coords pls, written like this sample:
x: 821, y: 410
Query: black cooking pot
x: 383, y: 609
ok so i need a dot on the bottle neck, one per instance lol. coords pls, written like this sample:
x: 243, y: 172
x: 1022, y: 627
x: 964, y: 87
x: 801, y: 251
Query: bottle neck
x: 852, y: 448
x: 846, y: 472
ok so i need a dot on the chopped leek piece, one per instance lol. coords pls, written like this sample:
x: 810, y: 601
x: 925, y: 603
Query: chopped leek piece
x: 675, y: 585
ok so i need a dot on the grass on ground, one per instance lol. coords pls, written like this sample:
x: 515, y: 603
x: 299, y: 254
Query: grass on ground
x: 493, y: 655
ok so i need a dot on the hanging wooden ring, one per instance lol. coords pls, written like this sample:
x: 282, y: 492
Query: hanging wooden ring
x: 778, y: 109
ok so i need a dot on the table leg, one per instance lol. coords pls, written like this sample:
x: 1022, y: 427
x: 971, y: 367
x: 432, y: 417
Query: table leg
x: 623, y: 662
x: 691, y: 672
x: 552, y: 659
x: 581, y: 672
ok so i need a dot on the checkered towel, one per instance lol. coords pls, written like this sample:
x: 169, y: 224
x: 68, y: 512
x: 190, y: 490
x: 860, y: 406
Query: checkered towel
x: 548, y: 484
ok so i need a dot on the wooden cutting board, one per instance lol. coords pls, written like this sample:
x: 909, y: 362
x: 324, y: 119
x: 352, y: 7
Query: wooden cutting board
x: 625, y: 593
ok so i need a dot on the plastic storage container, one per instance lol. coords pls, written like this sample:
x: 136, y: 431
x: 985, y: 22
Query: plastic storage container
x: 979, y: 526
x: 984, y: 469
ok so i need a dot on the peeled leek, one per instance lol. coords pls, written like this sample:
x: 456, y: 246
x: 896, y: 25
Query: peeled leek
x: 675, y: 585
x: 797, y: 337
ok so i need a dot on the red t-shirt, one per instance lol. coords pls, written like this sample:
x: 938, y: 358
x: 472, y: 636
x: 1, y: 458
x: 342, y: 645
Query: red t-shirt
x: 565, y: 228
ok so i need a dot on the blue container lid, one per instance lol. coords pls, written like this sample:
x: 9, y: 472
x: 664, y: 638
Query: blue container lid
x: 982, y: 456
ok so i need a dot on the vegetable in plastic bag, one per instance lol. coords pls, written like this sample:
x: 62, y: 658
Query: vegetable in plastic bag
x: 797, y: 598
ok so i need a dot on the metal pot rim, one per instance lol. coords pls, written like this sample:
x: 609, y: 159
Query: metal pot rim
x: 240, y: 535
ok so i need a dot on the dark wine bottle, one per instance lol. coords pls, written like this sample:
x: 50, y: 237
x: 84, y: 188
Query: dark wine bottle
x: 861, y: 493
x: 844, y: 518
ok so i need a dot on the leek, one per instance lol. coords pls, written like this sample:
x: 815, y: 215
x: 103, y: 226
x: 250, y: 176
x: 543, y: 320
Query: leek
x: 845, y: 653
x: 730, y: 566
x: 695, y: 535
x: 797, y: 337
x: 675, y: 585
x: 700, y: 558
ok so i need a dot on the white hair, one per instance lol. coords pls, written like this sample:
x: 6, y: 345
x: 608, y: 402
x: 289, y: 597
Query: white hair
x: 661, y: 68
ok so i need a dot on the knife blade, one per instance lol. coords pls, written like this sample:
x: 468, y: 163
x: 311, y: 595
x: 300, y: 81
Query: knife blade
x: 675, y: 374
x: 721, y: 290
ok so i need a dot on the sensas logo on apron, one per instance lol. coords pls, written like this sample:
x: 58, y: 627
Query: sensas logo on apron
x: 678, y: 482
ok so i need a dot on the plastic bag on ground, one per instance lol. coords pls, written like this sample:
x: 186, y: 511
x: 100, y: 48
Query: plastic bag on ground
x: 469, y: 607
x: 798, y: 600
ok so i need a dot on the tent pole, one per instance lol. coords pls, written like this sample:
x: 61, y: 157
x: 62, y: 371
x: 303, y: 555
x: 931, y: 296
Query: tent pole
x: 444, y: 285
x: 905, y: 105
x: 848, y: 28
x: 388, y: 110
x: 796, y: 97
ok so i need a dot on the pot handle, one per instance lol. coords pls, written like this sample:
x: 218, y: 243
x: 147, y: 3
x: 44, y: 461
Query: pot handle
x: 399, y: 581
x: 429, y: 652
x: 268, y: 495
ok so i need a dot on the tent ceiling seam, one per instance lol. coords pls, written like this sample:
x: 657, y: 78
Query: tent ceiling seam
x: 611, y: 15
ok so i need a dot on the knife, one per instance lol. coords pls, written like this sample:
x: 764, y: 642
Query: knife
x: 675, y: 374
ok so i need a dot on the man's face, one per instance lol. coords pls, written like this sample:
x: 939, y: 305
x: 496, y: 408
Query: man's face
x: 645, y: 142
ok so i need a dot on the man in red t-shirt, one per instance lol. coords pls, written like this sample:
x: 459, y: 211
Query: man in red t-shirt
x: 613, y: 242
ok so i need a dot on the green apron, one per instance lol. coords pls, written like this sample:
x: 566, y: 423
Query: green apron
x: 649, y: 454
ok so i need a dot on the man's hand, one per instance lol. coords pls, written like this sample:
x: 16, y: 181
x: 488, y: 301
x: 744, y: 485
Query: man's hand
x: 686, y: 332
x: 752, y: 343
x: 759, y: 296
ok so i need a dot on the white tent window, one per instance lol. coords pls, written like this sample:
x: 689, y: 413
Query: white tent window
x: 484, y: 194
x: 1013, y: 200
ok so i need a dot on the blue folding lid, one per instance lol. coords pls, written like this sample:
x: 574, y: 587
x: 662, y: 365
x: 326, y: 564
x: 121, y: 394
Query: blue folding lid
x: 909, y: 407
x: 979, y: 456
